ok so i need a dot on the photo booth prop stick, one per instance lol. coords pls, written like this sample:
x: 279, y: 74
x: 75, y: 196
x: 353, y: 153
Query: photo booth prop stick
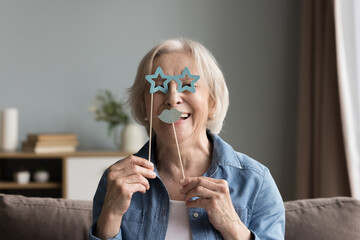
x: 154, y: 89
x: 169, y: 116
x: 150, y: 130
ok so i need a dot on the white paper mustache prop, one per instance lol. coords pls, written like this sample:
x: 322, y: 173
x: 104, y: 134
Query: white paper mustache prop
x: 170, y: 116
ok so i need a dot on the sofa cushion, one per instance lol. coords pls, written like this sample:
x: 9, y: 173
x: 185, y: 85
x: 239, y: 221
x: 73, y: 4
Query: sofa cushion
x: 43, y: 218
x: 51, y: 218
x: 323, y: 219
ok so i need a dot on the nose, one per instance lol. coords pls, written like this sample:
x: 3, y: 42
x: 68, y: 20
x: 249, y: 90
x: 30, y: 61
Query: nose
x: 173, y: 98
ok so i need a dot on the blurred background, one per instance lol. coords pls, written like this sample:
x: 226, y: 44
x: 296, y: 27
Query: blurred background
x: 55, y: 56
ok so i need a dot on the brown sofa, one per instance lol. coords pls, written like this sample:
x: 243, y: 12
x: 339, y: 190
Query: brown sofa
x: 51, y: 219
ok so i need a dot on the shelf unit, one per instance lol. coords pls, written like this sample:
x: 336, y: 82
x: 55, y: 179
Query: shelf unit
x: 31, y: 185
x: 68, y: 172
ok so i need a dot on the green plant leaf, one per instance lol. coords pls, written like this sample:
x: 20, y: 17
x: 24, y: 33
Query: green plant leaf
x: 109, y: 110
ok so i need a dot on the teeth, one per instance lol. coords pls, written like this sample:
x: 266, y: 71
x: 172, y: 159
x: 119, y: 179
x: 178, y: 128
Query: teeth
x: 184, y: 115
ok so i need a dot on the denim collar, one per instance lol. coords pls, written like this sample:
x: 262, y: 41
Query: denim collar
x: 222, y: 155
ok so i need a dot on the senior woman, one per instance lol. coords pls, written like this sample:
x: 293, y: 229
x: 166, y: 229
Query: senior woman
x: 225, y: 194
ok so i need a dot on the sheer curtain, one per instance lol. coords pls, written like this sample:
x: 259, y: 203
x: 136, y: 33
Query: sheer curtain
x: 347, y: 22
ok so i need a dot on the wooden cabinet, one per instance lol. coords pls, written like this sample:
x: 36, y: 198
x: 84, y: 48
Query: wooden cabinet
x: 72, y: 175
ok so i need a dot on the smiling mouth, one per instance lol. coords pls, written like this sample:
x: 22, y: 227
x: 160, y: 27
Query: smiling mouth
x: 185, y: 116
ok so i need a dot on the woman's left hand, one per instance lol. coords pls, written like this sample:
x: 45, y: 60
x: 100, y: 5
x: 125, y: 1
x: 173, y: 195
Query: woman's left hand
x: 213, y: 195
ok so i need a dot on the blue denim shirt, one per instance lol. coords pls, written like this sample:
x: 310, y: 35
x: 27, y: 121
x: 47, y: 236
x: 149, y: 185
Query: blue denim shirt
x: 253, y: 191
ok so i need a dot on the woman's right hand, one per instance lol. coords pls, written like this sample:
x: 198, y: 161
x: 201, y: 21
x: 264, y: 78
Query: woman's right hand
x: 124, y: 179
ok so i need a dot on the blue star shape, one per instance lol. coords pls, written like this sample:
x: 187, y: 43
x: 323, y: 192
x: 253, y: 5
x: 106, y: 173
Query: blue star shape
x: 154, y: 88
x: 164, y: 88
x: 190, y: 88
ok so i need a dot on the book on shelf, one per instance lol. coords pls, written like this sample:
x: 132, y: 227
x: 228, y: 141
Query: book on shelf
x: 50, y: 143
x: 52, y: 137
x: 50, y: 149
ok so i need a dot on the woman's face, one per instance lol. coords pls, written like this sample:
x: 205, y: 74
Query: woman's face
x: 195, y: 106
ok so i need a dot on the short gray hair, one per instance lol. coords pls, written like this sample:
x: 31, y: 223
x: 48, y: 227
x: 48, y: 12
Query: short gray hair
x: 208, y: 70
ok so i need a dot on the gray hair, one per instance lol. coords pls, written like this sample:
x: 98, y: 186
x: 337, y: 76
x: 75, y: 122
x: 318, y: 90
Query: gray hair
x: 208, y: 70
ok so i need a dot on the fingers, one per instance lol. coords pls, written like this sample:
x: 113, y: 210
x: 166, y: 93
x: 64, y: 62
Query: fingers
x: 201, y: 192
x: 213, y: 195
x: 138, y: 179
x: 205, y: 182
x: 132, y: 165
x: 133, y: 160
x: 140, y: 161
x: 128, y: 189
x: 129, y: 176
x: 125, y: 178
x: 204, y: 187
x: 130, y: 170
x: 198, y: 203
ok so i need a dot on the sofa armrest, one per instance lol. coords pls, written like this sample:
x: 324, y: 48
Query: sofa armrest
x: 323, y: 219
x: 43, y: 218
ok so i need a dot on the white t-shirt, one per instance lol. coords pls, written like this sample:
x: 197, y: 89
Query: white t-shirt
x: 179, y: 224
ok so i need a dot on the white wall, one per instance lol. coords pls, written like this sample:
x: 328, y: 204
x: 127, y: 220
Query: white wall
x: 56, y: 55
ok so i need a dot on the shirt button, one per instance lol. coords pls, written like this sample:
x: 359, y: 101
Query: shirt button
x: 195, y: 215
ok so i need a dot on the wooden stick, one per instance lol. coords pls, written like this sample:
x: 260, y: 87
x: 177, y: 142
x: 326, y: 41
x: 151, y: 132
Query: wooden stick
x: 177, y: 145
x: 151, y: 117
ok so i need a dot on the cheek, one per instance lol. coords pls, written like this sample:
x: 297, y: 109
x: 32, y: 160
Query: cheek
x: 202, y: 99
x: 147, y: 104
x: 157, y: 102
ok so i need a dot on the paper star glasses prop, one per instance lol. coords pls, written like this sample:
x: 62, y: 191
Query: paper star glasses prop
x: 172, y: 115
x: 164, y: 88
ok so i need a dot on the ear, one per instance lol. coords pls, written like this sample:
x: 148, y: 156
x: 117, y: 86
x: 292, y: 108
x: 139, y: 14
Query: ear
x: 212, y: 106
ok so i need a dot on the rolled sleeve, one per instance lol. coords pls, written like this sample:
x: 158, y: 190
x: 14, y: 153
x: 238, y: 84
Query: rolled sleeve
x: 93, y: 237
x: 97, y: 207
x: 268, y: 221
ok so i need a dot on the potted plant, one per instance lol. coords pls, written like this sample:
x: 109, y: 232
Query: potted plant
x: 110, y: 110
